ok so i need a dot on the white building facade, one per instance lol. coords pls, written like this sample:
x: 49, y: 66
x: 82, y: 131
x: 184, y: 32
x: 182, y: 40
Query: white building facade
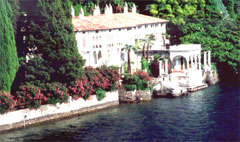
x: 101, y: 37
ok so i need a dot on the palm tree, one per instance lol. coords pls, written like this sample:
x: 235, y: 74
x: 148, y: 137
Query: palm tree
x: 128, y: 48
x: 149, y: 41
x: 143, y: 41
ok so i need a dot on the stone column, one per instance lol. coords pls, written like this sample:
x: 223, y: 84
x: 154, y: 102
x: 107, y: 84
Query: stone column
x: 205, y: 58
x: 199, y: 61
x: 96, y: 57
x: 191, y: 60
x: 209, y: 58
x: 160, y: 68
x: 195, y: 62
x: 166, y: 66
x: 187, y: 63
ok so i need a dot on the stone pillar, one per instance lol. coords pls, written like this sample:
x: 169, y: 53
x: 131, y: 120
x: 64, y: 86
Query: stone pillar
x: 96, y: 57
x: 191, y: 60
x: 209, y: 58
x: 199, y: 61
x: 187, y: 63
x: 166, y: 66
x: 81, y: 14
x: 125, y: 9
x: 73, y: 12
x: 160, y: 68
x: 195, y: 62
x: 205, y: 58
x: 134, y: 9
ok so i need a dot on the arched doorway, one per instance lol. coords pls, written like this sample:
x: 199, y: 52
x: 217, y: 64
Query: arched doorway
x: 179, y: 63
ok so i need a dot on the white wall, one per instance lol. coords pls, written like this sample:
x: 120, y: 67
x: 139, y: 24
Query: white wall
x: 110, y: 42
x: 47, y: 110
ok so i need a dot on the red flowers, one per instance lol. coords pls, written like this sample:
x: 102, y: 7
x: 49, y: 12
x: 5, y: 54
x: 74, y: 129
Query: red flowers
x: 7, y: 102
x: 31, y: 96
x: 105, y: 78
x: 142, y: 75
x: 55, y: 92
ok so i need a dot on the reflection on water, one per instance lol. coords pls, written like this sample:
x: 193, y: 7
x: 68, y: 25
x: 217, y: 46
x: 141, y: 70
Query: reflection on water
x: 208, y: 115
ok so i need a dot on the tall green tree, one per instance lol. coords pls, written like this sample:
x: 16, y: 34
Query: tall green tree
x: 213, y: 26
x: 8, y: 53
x: 176, y: 10
x: 54, y: 39
x: 222, y: 38
x: 128, y: 49
x: 15, y: 12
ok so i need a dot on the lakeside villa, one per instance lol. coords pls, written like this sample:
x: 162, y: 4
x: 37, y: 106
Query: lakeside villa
x: 101, y: 38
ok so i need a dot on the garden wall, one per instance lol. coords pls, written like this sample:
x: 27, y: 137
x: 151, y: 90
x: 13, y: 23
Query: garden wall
x: 20, y: 118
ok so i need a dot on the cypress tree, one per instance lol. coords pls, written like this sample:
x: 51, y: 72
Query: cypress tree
x: 15, y: 12
x: 55, y: 40
x: 8, y: 53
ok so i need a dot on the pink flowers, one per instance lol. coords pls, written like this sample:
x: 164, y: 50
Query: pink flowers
x: 7, y: 102
x: 105, y: 78
x: 142, y: 75
x: 30, y: 96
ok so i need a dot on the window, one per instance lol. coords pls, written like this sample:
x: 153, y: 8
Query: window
x: 84, y: 42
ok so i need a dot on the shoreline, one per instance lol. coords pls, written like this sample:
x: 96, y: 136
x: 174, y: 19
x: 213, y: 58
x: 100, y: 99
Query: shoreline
x: 48, y: 113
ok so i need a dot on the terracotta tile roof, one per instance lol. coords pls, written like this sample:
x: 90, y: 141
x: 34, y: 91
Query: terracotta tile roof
x: 113, y: 21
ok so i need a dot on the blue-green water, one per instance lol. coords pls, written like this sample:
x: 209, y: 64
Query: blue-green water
x: 207, y: 115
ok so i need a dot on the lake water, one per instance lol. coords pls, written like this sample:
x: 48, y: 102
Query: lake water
x: 207, y: 115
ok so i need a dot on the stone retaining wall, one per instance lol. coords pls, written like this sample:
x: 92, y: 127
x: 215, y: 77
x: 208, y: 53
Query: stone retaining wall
x: 20, y: 118
x: 134, y: 96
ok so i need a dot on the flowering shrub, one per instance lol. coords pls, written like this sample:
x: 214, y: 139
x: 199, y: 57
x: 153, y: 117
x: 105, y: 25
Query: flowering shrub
x: 142, y: 75
x: 80, y: 89
x: 7, y: 102
x: 112, y: 75
x: 30, y: 96
x: 103, y: 78
x: 95, y: 78
x: 55, y: 92
x: 139, y: 79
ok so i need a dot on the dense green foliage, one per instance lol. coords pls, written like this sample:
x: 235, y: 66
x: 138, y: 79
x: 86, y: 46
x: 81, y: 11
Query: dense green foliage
x: 139, y: 80
x: 233, y: 8
x: 35, y: 72
x: 176, y: 10
x: 54, y: 38
x: 15, y: 12
x: 8, y: 53
x: 221, y: 38
x: 100, y: 94
x: 205, y: 22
